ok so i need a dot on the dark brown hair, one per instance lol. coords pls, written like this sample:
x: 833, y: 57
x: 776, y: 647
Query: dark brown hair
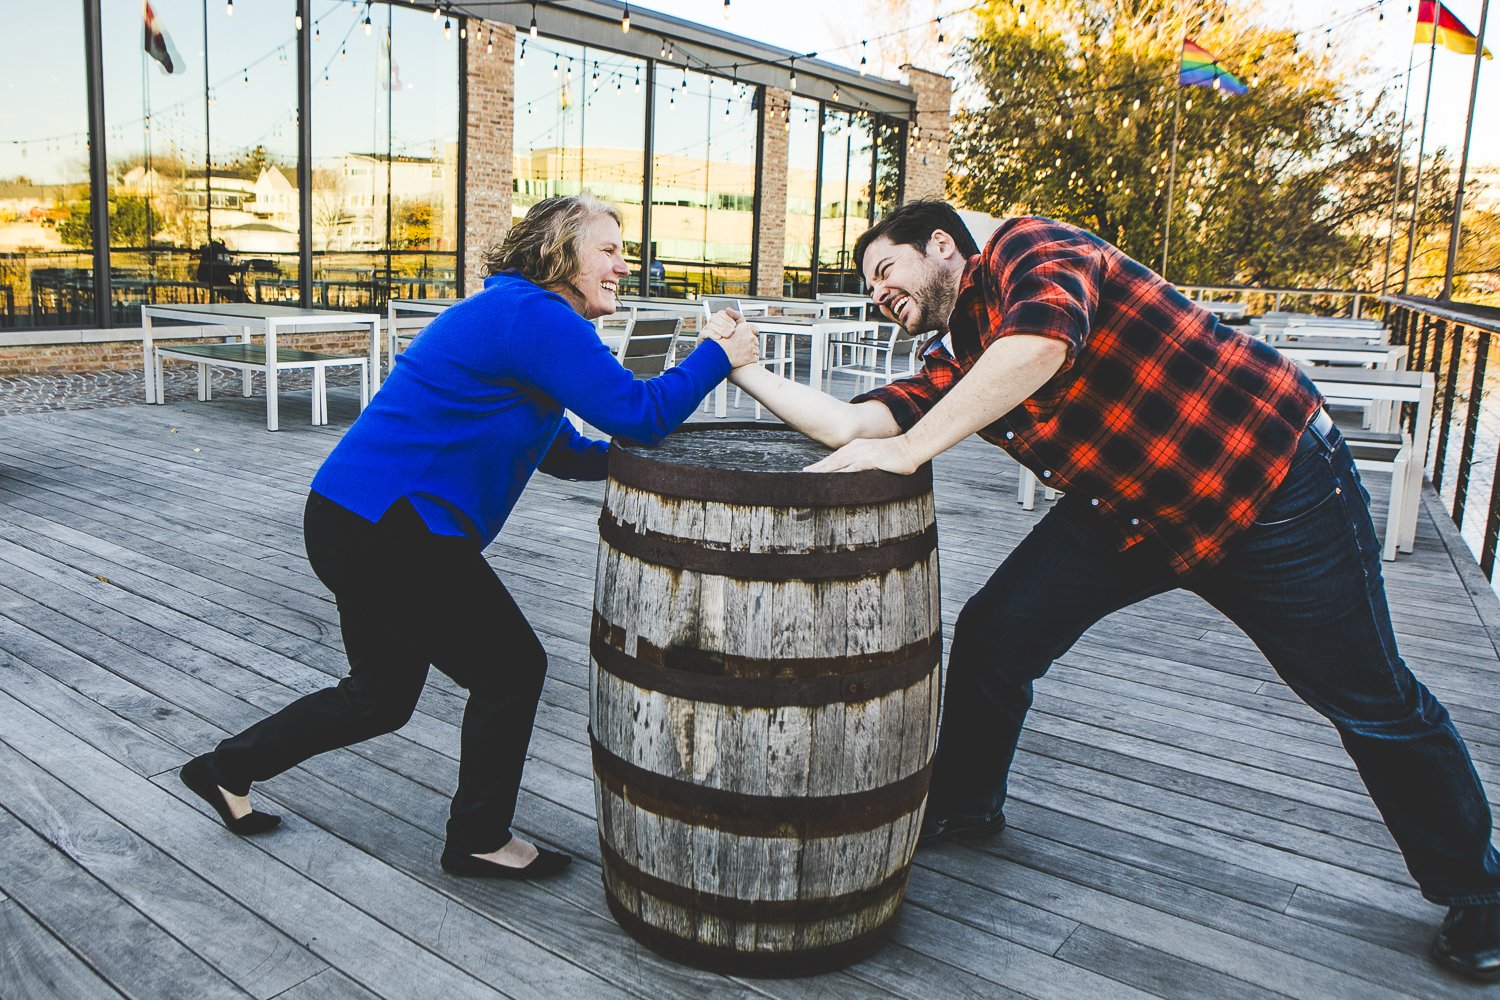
x: 913, y: 225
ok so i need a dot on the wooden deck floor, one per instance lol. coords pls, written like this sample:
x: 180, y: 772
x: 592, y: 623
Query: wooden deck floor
x: 1180, y: 825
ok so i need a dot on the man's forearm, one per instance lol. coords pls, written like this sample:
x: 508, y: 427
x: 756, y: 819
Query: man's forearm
x: 1008, y: 372
x: 820, y: 416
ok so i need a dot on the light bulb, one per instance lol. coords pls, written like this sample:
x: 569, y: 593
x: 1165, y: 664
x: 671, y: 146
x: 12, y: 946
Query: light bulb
x: 625, y: 21
x: 298, y: 20
x: 228, y: 8
x: 447, y: 29
x: 367, y: 24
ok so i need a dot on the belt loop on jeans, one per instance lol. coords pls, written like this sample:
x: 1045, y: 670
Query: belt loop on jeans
x: 1320, y: 428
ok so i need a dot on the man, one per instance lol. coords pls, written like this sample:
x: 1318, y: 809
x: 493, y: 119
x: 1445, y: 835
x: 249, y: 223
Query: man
x: 1191, y: 456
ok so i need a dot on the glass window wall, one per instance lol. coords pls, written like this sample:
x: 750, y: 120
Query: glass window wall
x: 580, y: 118
x: 385, y: 155
x: 848, y: 170
x: 703, y: 182
x: 46, y: 234
x: 801, y: 123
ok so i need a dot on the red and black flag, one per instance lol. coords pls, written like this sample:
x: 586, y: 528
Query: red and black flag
x: 159, y: 44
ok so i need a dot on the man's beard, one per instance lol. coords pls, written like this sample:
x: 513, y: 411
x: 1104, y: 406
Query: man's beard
x: 934, y: 301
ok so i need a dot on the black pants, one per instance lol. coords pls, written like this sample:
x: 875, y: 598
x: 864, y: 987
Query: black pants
x: 408, y: 598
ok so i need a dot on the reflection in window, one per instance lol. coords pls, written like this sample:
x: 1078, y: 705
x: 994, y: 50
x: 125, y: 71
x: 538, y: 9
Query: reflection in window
x: 801, y: 123
x: 385, y: 156
x: 202, y: 154
x: 848, y: 169
x: 890, y: 141
x: 580, y: 123
x: 703, y: 177
x: 46, y: 236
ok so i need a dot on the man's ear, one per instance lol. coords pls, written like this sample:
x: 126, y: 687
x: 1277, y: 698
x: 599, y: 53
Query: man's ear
x: 942, y: 243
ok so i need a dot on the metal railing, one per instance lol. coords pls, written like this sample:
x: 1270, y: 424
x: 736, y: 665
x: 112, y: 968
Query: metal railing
x: 1332, y: 301
x: 1454, y: 341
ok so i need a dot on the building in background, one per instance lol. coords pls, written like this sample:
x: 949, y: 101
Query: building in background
x: 377, y: 150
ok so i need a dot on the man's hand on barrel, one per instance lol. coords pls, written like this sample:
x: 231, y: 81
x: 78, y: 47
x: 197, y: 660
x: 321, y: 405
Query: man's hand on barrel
x: 892, y: 454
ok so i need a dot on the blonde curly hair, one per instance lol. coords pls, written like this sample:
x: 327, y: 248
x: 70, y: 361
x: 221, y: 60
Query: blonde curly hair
x: 546, y: 245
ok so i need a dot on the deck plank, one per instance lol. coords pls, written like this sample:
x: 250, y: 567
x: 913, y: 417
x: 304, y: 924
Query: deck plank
x: 1181, y: 825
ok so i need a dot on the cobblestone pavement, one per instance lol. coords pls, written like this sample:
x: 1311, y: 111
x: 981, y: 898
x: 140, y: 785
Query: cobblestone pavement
x: 93, y: 390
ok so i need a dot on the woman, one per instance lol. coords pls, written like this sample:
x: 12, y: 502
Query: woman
x: 401, y: 511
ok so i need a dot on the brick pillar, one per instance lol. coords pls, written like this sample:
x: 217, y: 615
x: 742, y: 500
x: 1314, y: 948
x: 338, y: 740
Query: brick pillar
x: 490, y: 134
x: 770, y: 227
x: 927, y: 141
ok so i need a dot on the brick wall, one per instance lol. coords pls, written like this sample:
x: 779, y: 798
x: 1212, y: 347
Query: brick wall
x: 927, y: 142
x: 770, y: 234
x: 490, y: 133
x: 125, y: 354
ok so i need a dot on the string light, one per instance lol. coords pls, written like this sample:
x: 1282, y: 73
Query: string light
x: 447, y: 30
x: 533, y: 20
x: 940, y: 39
x: 297, y: 20
x: 489, y: 45
x: 864, y: 64
x: 436, y: 10
x: 367, y: 21
x: 793, y: 65
x: 726, y: 10
x: 228, y: 8
x: 247, y: 78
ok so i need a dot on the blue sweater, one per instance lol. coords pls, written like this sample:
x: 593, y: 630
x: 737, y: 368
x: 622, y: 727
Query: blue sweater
x: 475, y: 406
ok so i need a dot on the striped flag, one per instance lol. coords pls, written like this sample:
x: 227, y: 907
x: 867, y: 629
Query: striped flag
x: 1434, y: 18
x: 1200, y: 68
x: 159, y: 44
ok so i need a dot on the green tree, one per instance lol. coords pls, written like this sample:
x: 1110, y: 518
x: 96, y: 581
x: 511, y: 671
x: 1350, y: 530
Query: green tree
x: 130, y: 223
x: 1287, y: 183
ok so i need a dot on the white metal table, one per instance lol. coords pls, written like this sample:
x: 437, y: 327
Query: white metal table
x: 249, y: 317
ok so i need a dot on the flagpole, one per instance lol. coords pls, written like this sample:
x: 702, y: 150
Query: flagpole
x: 1166, y: 236
x: 1390, y: 238
x: 1463, y: 162
x: 1416, y: 194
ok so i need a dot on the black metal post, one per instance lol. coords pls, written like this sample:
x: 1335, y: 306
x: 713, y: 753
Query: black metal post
x: 304, y: 157
x: 817, y: 233
x: 98, y: 162
x: 1450, y: 391
x: 461, y: 188
x: 647, y: 156
x: 1471, y: 428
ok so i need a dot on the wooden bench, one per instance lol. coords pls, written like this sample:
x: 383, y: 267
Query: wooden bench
x: 252, y: 357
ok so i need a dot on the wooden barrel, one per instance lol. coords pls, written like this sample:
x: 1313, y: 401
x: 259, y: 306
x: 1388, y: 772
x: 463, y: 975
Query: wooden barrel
x: 764, y: 698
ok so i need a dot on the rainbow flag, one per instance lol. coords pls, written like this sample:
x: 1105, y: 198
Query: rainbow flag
x: 1451, y: 33
x: 1200, y: 68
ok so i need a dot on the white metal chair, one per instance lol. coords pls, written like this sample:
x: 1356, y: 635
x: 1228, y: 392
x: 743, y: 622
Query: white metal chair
x: 776, y: 350
x: 878, y: 354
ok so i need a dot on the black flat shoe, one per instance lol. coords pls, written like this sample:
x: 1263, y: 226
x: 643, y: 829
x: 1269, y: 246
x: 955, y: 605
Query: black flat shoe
x: 936, y: 829
x: 1469, y: 942
x: 545, y: 863
x: 198, y: 775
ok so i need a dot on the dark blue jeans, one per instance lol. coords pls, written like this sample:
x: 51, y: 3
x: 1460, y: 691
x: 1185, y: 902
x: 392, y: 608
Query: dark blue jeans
x: 1304, y: 584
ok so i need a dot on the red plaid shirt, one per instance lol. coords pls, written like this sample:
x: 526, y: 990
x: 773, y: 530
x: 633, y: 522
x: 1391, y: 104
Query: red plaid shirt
x: 1169, y: 426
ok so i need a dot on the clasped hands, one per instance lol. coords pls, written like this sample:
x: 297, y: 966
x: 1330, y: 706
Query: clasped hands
x: 740, y: 340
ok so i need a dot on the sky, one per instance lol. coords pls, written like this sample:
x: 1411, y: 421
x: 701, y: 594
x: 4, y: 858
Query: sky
x: 43, y: 90
x: 1360, y: 36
